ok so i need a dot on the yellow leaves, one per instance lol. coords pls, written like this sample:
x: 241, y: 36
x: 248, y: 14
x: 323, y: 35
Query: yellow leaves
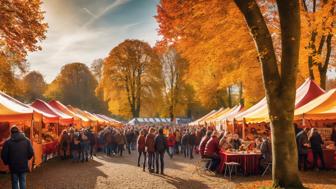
x: 131, y: 78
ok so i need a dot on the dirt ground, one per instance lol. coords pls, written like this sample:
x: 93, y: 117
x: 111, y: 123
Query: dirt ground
x: 121, y: 172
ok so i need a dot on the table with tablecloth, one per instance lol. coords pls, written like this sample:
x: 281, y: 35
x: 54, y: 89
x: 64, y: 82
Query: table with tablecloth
x: 50, y: 147
x: 328, y: 155
x: 249, y: 162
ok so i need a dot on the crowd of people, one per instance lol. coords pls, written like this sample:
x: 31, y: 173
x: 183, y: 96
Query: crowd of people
x: 152, y: 142
x: 79, y: 145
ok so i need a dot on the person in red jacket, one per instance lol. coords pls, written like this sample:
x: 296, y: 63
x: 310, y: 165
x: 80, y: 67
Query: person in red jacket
x: 203, y: 142
x: 141, y: 148
x: 171, y: 144
x: 149, y: 143
x: 212, y: 150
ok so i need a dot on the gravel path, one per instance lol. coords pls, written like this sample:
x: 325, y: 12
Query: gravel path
x: 122, y: 172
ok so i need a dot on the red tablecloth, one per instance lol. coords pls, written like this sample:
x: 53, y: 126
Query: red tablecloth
x: 49, y: 148
x: 328, y: 156
x: 249, y: 163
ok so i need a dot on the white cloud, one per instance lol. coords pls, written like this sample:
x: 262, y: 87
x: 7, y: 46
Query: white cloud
x: 71, y: 36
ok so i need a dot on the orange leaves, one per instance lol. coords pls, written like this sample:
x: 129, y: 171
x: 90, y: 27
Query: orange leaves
x: 131, y: 78
x: 213, y: 38
x: 21, y: 25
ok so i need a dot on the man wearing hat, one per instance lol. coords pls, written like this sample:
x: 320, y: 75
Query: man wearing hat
x: 16, y: 153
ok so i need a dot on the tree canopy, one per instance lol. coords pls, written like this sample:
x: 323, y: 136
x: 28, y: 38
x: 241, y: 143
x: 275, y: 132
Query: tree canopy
x: 131, y: 79
x: 75, y: 85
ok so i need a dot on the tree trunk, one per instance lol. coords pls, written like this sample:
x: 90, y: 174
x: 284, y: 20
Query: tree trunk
x: 229, y: 97
x: 280, y: 88
x: 311, y: 46
x: 241, y: 99
x: 323, y: 69
x: 323, y: 79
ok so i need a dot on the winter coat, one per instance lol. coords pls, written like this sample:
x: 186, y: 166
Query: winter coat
x: 316, y: 142
x: 64, y: 141
x: 192, y: 140
x: 178, y: 136
x: 333, y: 136
x: 16, y: 153
x: 301, y: 140
x: 160, y: 143
x: 266, y: 150
x: 108, y: 137
x: 171, y: 140
x: 149, y: 142
x: 92, y: 138
x: 141, y: 143
x: 235, y: 144
x: 202, y: 145
x: 211, y: 147
x: 129, y: 137
x: 185, y: 139
x: 120, y: 139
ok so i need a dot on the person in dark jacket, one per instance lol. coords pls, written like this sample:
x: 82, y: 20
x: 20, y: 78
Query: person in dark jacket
x: 212, y: 151
x: 184, y: 143
x: 16, y: 153
x: 129, y: 138
x: 302, y: 145
x: 235, y: 142
x: 316, y: 143
x: 150, y: 149
x: 93, y: 140
x: 333, y: 135
x: 160, y: 145
x: 141, y: 148
x: 64, y: 143
x: 191, y: 143
x: 266, y: 152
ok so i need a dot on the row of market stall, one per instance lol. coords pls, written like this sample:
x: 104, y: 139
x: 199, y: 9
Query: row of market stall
x: 43, y: 122
x: 149, y: 121
x: 313, y: 108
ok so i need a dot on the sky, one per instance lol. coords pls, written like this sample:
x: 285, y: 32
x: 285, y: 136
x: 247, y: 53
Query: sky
x: 84, y: 30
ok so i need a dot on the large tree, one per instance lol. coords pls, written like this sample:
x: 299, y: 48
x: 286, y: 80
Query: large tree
x: 319, y: 17
x: 173, y: 70
x: 279, y: 83
x: 22, y: 26
x: 75, y: 85
x: 33, y: 86
x: 7, y: 78
x: 186, y: 25
x: 131, y: 78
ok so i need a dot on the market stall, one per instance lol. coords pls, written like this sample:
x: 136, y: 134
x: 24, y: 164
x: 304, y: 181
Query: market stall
x: 255, y: 120
x: 111, y: 121
x: 196, y: 122
x: 64, y: 121
x: 46, y: 134
x: 211, y: 120
x: 14, y: 112
x: 221, y: 121
x: 78, y: 120
x: 86, y: 121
